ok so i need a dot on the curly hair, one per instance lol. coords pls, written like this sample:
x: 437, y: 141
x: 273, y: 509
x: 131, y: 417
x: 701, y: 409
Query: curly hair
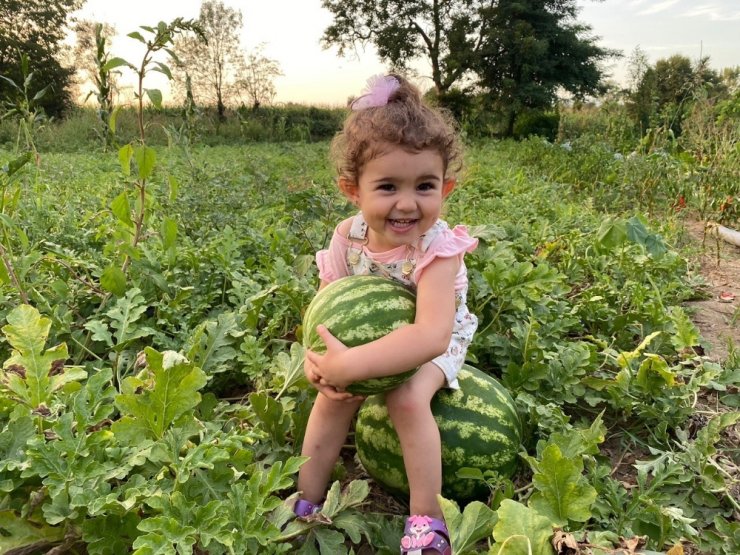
x: 405, y: 121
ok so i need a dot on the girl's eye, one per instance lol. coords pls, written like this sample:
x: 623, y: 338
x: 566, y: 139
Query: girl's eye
x: 426, y: 186
x: 386, y: 187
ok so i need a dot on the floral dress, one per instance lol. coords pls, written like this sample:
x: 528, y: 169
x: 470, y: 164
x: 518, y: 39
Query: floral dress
x: 348, y: 255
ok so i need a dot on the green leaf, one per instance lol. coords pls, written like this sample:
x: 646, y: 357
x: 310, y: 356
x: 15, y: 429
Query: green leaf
x: 174, y: 394
x: 637, y: 232
x: 125, y: 153
x: 330, y: 541
x: 114, y: 280
x: 27, y: 370
x: 17, y: 163
x: 19, y: 532
x: 686, y: 333
x: 155, y: 96
x: 466, y: 529
x: 114, y: 63
x: 611, y: 234
x: 488, y: 232
x: 169, y: 233
x: 113, y: 119
x: 99, y: 331
x: 136, y: 35
x: 4, y: 275
x: 124, y: 317
x: 270, y: 413
x: 580, y: 441
x: 39, y: 95
x: 654, y: 376
x: 145, y: 157
x: 174, y: 187
x: 163, y: 69
x: 521, y: 531
x: 212, y: 344
x: 625, y: 358
x: 122, y: 209
x: 563, y: 493
x: 290, y: 367
x: 13, y: 441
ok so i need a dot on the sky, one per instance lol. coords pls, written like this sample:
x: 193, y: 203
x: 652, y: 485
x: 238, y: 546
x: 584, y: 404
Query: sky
x: 291, y: 30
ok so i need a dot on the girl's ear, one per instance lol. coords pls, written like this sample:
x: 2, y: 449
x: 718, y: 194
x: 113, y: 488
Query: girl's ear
x: 447, y: 186
x: 349, y: 188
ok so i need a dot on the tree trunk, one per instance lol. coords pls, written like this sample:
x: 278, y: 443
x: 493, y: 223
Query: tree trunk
x: 511, y: 118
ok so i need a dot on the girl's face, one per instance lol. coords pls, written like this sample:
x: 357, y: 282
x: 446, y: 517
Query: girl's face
x: 400, y: 194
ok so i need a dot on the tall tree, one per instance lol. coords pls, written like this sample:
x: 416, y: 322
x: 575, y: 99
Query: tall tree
x: 532, y: 49
x: 37, y: 29
x: 446, y: 33
x: 212, y: 65
x: 641, y: 96
x: 257, y: 78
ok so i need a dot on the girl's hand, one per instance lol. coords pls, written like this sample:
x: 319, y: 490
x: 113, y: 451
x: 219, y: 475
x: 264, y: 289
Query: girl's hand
x: 309, y: 368
x: 334, y: 367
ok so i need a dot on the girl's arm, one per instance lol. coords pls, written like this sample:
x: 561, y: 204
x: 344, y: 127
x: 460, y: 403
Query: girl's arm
x: 325, y: 388
x: 402, y: 349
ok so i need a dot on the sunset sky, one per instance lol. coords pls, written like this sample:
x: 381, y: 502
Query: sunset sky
x: 291, y: 30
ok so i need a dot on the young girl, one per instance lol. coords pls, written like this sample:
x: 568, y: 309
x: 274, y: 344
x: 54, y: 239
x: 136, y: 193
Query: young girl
x: 396, y: 159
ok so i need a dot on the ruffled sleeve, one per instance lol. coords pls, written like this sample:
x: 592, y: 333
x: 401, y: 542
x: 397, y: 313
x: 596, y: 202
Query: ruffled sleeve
x: 332, y: 262
x: 449, y: 243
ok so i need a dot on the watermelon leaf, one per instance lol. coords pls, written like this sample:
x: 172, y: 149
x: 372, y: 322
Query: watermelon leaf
x: 467, y: 528
x: 563, y: 493
x: 173, y: 395
x: 291, y: 367
x: 33, y: 374
x: 521, y: 530
x: 212, y: 344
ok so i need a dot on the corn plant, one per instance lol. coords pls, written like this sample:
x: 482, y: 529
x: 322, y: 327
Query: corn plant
x: 104, y: 89
x: 25, y: 108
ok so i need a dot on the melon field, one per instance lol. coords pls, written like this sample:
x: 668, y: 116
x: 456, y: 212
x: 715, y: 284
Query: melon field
x: 152, y: 397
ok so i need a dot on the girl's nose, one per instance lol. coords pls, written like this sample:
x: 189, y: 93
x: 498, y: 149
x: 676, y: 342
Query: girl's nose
x: 406, y: 203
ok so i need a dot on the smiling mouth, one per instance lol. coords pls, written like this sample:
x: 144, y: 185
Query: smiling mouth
x: 402, y: 223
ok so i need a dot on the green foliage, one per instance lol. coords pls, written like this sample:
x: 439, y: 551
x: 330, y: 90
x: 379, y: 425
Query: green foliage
x: 24, y: 105
x: 541, y: 123
x: 31, y: 374
x: 521, y: 530
x: 37, y: 28
x: 580, y: 314
x: 529, y: 50
x: 400, y: 32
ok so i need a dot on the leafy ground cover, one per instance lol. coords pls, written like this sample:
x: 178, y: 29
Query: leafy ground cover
x: 151, y: 397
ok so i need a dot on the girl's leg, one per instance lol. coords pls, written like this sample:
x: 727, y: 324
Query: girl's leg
x: 409, y: 409
x: 326, y: 432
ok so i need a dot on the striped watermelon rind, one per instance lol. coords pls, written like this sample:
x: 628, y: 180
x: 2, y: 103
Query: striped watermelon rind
x: 479, y: 428
x: 358, y: 310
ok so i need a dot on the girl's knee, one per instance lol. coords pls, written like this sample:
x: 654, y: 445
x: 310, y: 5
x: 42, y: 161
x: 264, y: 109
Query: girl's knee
x: 406, y: 401
x: 335, y: 409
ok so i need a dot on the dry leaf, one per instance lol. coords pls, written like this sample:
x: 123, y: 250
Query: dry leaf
x: 675, y: 550
x: 564, y: 543
x: 631, y: 545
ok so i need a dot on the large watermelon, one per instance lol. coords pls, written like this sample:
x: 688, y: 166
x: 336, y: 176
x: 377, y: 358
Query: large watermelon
x: 478, y: 425
x: 358, y: 310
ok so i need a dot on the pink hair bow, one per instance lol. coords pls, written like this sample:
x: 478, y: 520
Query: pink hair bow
x: 377, y: 92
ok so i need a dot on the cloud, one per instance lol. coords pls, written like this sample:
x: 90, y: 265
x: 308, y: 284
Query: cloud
x: 712, y: 13
x: 659, y: 7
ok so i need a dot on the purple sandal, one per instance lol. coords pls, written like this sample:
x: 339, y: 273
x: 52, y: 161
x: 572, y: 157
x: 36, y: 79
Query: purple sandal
x: 425, y: 535
x: 303, y: 508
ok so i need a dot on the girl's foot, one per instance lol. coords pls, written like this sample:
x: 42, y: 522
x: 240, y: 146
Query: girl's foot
x: 305, y: 508
x: 424, y: 535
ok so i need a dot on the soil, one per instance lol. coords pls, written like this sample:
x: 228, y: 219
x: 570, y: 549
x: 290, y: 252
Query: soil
x: 718, y: 320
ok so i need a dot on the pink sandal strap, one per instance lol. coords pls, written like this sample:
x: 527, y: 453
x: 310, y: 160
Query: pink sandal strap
x: 423, y: 534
